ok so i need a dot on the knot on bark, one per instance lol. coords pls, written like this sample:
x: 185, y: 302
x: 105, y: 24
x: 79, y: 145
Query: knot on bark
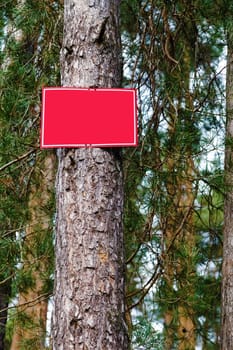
x: 98, y: 31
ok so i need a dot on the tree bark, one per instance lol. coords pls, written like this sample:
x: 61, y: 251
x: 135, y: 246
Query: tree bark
x: 227, y: 270
x: 89, y: 278
x: 30, y: 326
x: 179, y: 233
x: 5, y: 291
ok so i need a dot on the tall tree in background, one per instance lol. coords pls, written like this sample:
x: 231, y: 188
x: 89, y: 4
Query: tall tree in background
x: 182, y: 142
x: 89, y: 278
x: 29, y: 60
x: 9, y: 222
x: 227, y: 270
x: 173, y: 65
x: 37, y: 260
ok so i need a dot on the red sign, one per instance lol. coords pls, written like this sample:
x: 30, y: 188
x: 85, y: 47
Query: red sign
x: 73, y: 117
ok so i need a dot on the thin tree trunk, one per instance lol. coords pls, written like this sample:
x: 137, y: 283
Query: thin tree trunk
x: 227, y: 270
x: 30, y: 328
x: 5, y: 291
x: 179, y: 231
x: 178, y: 272
x: 89, y: 278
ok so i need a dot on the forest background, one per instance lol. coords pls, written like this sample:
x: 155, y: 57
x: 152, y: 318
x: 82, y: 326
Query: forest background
x: 174, y: 180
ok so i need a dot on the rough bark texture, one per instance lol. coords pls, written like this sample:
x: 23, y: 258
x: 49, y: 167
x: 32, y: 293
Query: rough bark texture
x: 91, y: 55
x: 227, y: 270
x: 89, y: 279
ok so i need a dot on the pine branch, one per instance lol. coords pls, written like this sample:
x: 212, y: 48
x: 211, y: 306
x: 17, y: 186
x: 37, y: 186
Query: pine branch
x: 18, y: 159
x: 30, y: 303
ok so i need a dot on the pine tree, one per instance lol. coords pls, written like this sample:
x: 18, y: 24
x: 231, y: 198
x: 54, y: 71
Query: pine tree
x: 173, y: 67
x: 29, y: 60
x: 173, y: 207
x: 227, y: 289
x: 89, y: 279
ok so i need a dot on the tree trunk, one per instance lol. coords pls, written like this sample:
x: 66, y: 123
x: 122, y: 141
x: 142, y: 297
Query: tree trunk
x: 227, y: 270
x: 30, y: 327
x: 89, y: 277
x: 179, y: 234
x: 179, y: 268
x: 5, y: 291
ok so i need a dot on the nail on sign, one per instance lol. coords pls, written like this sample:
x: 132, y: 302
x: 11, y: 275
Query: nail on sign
x: 73, y: 117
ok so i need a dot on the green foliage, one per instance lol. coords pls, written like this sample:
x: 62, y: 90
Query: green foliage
x: 30, y: 39
x: 9, y: 329
x: 171, y: 51
x: 145, y: 337
x: 129, y: 16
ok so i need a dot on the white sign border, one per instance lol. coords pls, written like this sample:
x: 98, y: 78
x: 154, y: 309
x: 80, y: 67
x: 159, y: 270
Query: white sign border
x: 100, y: 145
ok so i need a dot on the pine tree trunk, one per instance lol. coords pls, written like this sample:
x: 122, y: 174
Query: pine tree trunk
x: 179, y: 229
x: 179, y: 269
x: 89, y: 278
x: 227, y: 270
x: 30, y: 325
x: 5, y: 291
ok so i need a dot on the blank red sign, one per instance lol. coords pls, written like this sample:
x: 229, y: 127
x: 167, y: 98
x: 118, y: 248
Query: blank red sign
x: 73, y: 117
